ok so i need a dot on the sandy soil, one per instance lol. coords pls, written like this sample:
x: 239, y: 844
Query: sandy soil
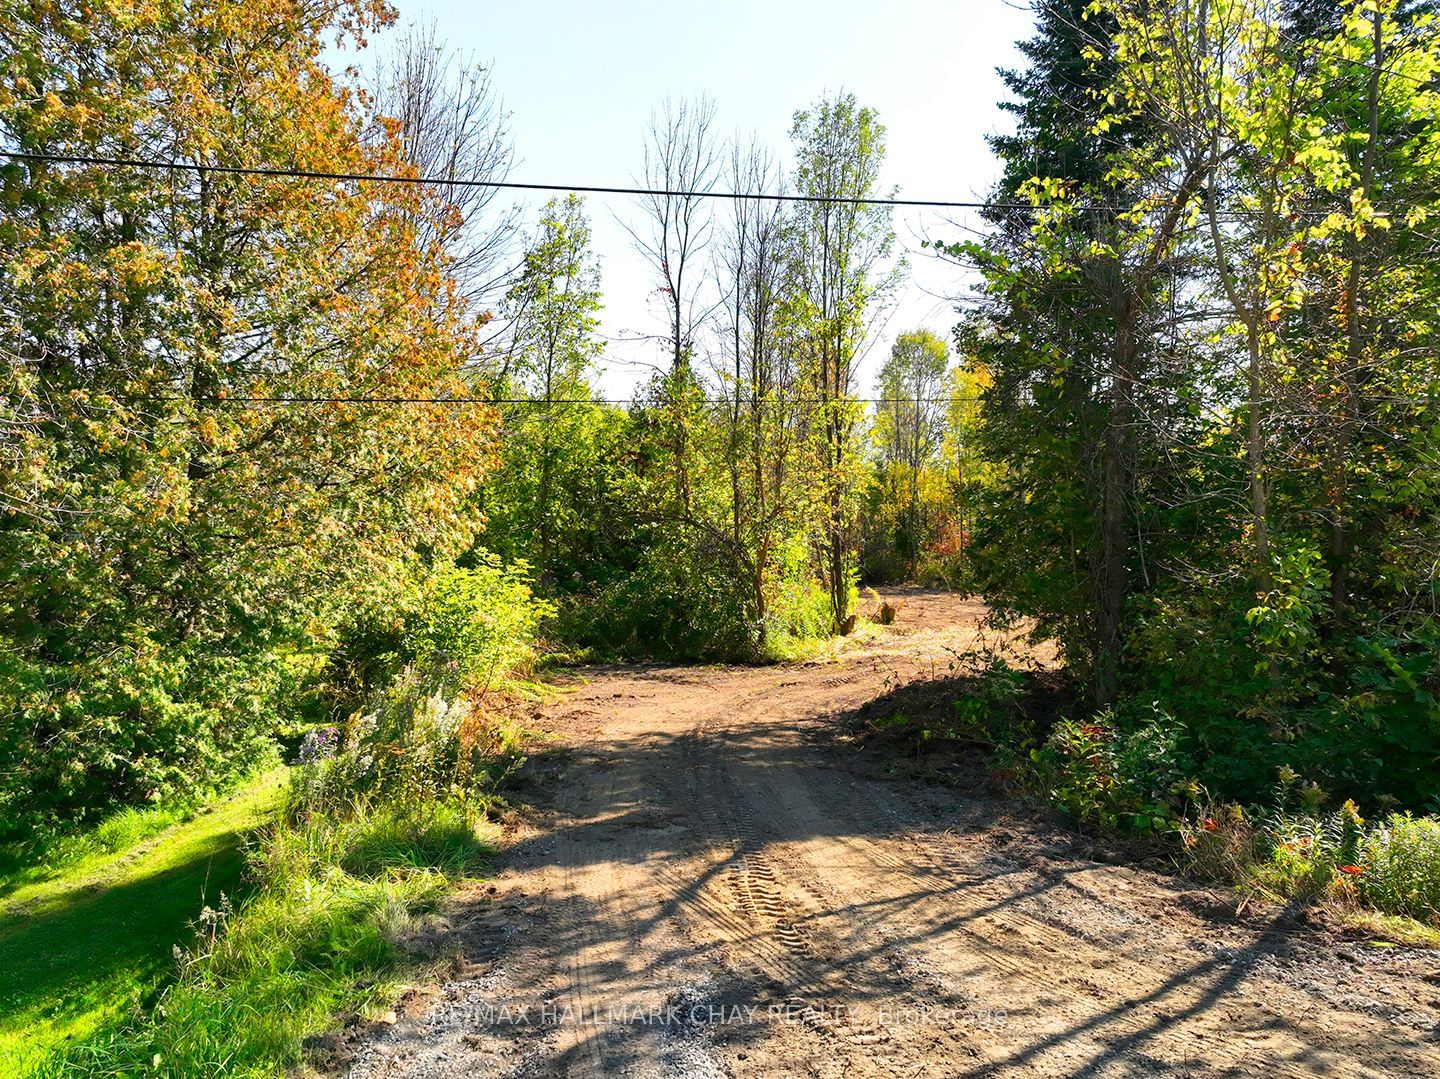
x: 714, y: 884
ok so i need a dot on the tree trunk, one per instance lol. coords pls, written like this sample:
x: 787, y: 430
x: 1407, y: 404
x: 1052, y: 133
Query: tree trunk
x: 1255, y: 454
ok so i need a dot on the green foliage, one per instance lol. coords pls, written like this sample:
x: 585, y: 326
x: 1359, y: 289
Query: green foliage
x: 1309, y: 853
x: 1401, y: 863
x: 413, y: 742
x: 991, y: 711
x: 135, y: 724
x: 1358, y: 716
x: 1309, y: 856
x: 1286, y: 621
x: 905, y: 503
x: 166, y: 542
x: 552, y: 435
x: 1102, y: 777
x: 1222, y: 521
x: 1279, y: 852
x: 381, y: 817
x: 798, y: 609
x: 841, y: 242
x: 478, y: 621
x: 679, y: 601
x: 43, y: 854
x: 468, y: 627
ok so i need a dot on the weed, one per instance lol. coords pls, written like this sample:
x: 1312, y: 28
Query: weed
x: 1400, y: 867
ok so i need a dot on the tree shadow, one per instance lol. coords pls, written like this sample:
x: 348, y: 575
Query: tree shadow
x: 61, y: 954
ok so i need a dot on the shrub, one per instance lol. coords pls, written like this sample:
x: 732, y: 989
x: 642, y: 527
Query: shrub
x: 990, y: 711
x: 1101, y: 776
x: 1292, y: 850
x: 142, y: 726
x: 1401, y: 867
x: 799, y: 606
x: 1259, y: 687
x: 417, y: 741
x: 478, y: 622
x: 381, y: 817
x: 469, y: 625
x: 1076, y: 767
x: 683, y: 599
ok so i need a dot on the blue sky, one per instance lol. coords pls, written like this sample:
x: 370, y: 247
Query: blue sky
x: 581, y: 79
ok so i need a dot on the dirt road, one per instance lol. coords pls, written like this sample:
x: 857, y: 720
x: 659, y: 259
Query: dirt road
x: 713, y: 885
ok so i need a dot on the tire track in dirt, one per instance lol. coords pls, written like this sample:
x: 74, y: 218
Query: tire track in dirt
x: 1003, y: 945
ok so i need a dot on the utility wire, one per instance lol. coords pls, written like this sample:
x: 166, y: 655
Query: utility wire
x: 496, y: 402
x: 581, y: 189
x: 513, y: 185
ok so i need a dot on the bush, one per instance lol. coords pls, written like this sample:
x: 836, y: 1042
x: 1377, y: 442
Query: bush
x: 1100, y: 775
x: 142, y: 726
x: 468, y: 625
x: 1258, y: 688
x: 991, y: 712
x: 415, y: 742
x: 682, y: 600
x: 1401, y: 867
x: 478, y: 622
x: 1222, y: 843
x: 799, y: 606
x: 1309, y: 855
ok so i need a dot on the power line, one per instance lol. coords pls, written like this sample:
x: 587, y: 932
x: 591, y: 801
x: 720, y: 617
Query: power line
x: 579, y: 189
x: 512, y: 185
x: 506, y: 401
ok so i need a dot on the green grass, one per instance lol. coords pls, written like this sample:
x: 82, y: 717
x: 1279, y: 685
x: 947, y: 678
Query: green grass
x: 89, y: 933
x: 29, y: 862
x: 1395, y: 928
x: 329, y: 929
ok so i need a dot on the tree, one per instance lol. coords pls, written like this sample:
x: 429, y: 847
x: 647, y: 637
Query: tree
x: 681, y: 160
x: 1207, y: 347
x: 1058, y: 334
x: 185, y: 521
x: 553, y: 311
x: 911, y: 417
x: 840, y: 246
x: 968, y: 474
x: 758, y: 414
x: 451, y: 125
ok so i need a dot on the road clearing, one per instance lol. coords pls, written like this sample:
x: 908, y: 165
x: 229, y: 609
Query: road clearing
x: 714, y: 884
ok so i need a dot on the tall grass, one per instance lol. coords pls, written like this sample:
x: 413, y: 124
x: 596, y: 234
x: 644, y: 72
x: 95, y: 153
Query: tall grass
x: 1401, y: 867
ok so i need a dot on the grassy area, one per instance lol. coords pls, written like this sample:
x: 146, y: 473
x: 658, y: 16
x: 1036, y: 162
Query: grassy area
x: 335, y: 920
x: 29, y: 862
x: 90, y: 935
x: 1392, y: 927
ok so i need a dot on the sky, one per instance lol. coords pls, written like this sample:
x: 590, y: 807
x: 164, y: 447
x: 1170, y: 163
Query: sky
x: 580, y: 80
